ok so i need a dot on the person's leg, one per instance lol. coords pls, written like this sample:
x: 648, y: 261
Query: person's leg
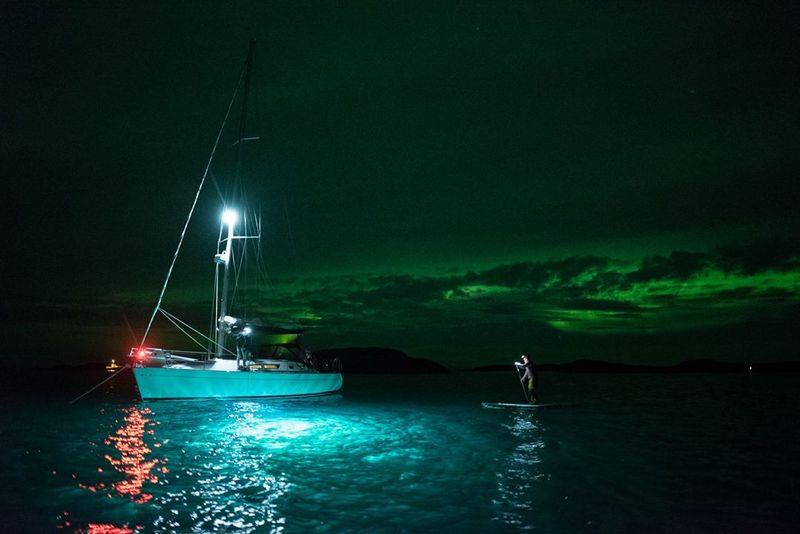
x: 532, y: 398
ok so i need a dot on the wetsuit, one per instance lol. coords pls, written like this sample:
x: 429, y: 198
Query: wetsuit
x: 532, y: 382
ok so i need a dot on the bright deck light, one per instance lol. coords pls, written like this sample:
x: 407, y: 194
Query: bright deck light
x: 229, y: 217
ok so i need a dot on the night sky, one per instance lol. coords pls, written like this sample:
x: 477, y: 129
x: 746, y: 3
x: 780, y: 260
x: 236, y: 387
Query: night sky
x: 462, y: 181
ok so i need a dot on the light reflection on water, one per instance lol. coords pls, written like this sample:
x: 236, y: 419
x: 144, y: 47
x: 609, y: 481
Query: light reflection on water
x: 256, y: 466
x: 410, y: 459
x: 517, y: 481
x: 133, y: 461
x: 130, y: 457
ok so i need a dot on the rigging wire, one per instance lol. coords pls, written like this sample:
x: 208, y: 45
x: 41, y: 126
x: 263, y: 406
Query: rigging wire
x: 191, y: 211
x: 184, y: 331
x: 170, y: 316
x: 79, y: 397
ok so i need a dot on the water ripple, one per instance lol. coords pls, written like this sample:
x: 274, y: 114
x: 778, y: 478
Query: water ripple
x: 408, y: 460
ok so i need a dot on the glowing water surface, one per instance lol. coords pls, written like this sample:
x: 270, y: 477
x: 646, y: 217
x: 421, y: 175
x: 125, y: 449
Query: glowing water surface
x: 411, y: 454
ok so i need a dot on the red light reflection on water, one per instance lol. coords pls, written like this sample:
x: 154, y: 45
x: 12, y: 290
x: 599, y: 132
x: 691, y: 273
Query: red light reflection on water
x: 133, y: 461
x: 107, y: 528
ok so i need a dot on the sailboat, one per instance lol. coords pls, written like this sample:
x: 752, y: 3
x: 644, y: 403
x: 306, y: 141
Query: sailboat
x: 242, y: 356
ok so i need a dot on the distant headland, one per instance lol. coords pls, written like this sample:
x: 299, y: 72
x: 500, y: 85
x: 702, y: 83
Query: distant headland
x: 377, y: 360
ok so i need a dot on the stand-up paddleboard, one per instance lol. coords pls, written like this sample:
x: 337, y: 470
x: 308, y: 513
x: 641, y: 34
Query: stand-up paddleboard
x: 499, y: 405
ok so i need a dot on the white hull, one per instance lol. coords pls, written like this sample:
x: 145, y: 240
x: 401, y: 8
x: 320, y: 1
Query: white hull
x: 171, y: 383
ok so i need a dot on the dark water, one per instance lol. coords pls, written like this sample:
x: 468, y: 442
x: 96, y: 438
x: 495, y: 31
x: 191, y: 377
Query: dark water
x: 643, y: 453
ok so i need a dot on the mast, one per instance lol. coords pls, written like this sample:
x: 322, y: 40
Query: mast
x: 229, y: 217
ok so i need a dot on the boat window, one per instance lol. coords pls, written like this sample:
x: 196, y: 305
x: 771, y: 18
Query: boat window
x: 264, y: 366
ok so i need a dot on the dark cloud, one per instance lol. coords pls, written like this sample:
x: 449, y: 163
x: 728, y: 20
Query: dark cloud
x: 777, y: 293
x: 746, y: 294
x: 736, y: 293
x: 402, y: 288
x: 601, y: 305
x: 757, y: 257
x: 536, y: 274
x: 604, y: 296
x: 572, y: 283
x: 604, y: 281
x: 679, y: 265
x: 744, y: 259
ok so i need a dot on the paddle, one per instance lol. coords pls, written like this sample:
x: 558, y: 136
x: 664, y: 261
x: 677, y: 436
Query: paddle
x: 524, y: 390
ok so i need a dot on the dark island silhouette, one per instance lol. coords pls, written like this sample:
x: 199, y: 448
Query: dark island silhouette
x: 377, y: 360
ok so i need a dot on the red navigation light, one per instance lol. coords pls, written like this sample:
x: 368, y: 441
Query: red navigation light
x: 141, y: 354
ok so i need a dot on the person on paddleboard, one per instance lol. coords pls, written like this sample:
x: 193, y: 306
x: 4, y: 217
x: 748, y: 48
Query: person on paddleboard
x: 529, y: 378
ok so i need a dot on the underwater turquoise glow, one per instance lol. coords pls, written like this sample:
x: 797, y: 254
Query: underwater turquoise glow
x: 636, y: 453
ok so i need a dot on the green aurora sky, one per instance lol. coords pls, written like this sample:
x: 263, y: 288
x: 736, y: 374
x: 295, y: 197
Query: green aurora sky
x: 461, y: 181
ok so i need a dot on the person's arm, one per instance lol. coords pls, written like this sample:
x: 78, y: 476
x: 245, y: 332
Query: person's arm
x: 526, y: 375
